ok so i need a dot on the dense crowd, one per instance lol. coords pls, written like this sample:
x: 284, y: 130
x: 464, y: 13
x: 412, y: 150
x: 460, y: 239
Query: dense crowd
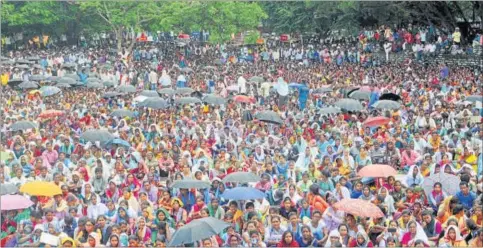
x: 284, y: 146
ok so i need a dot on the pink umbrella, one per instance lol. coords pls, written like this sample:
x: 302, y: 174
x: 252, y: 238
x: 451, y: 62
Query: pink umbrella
x: 14, y: 202
x: 376, y: 121
x: 377, y: 170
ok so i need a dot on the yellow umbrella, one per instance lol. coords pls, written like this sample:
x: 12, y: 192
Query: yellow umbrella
x: 39, y: 188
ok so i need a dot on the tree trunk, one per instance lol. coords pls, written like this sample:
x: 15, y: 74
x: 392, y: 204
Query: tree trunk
x: 133, y: 41
x: 118, y: 33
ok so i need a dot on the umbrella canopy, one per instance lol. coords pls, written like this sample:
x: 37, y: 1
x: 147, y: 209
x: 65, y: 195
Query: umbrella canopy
x: 73, y: 76
x: 23, y: 61
x: 97, y: 135
x: 8, y: 188
x: 26, y: 67
x: 63, y: 85
x: 360, y: 95
x: 349, y: 104
x: 154, y: 103
x: 214, y: 99
x: 93, y: 80
x: 241, y: 177
x: 69, y: 65
x: 269, y: 117
x: 112, y: 94
x: 28, y: 85
x: 323, y: 90
x: 167, y: 91
x: 49, y: 90
x: 197, y: 94
x: 386, y: 104
x: 474, y: 98
x: 92, y: 85
x: 109, y: 83
x: 377, y: 170
x: 14, y: 202
x: 184, y: 91
x: 450, y: 183
x: 359, y: 207
x: 197, y: 230
x: 390, y: 96
x: 329, y: 110
x: 50, y: 113
x: 243, y: 194
x: 122, y: 113
x: 118, y: 141
x: 66, y: 80
x: 187, y: 70
x: 190, y: 184
x: 256, y: 79
x: 38, y: 78
x: 376, y: 121
x: 127, y: 89
x: 40, y: 188
x: 23, y: 125
x: 187, y: 100
x: 244, y: 99
x: 149, y: 93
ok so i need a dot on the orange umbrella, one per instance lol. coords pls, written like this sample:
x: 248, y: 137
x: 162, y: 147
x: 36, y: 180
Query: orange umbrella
x: 244, y: 99
x: 377, y: 170
x: 359, y: 207
x: 376, y: 121
x: 50, y: 113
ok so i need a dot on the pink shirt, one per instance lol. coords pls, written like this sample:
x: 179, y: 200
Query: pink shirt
x: 408, y: 160
x: 50, y: 157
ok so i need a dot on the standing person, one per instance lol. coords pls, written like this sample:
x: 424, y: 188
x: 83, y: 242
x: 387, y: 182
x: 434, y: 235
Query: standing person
x: 153, y: 79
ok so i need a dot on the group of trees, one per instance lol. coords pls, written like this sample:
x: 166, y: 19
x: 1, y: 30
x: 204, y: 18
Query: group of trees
x: 222, y: 19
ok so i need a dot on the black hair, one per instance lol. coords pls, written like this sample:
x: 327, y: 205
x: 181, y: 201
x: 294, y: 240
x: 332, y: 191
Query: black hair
x: 457, y: 209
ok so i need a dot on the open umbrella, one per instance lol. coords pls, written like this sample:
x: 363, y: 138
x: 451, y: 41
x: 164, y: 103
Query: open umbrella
x: 14, y: 82
x: 377, y: 170
x: 269, y: 117
x: 244, y: 99
x: 111, y: 94
x: 241, y: 177
x: 66, y: 80
x: 93, y: 80
x: 38, y: 78
x: 118, y: 141
x: 450, y: 183
x: 69, y: 65
x: 390, y: 96
x: 23, y: 67
x: 60, y: 85
x: 184, y: 91
x: 190, y: 184
x: 154, y: 103
x: 149, y: 93
x: 322, y: 90
x: 359, y: 207
x: 187, y: 70
x: 376, y: 121
x: 28, y: 85
x: 109, y: 83
x: 49, y: 90
x: 8, y: 188
x: 167, y: 91
x: 386, y: 104
x: 14, y: 202
x: 256, y: 79
x: 127, y: 89
x: 92, y: 85
x: 73, y: 76
x: 474, y: 98
x: 50, y: 113
x: 214, y: 99
x: 197, y: 230
x: 23, y: 125
x: 329, y: 110
x: 349, y: 104
x: 187, y: 100
x: 360, y: 95
x: 243, y: 194
x: 40, y: 188
x: 122, y: 113
x: 23, y: 61
x: 97, y: 135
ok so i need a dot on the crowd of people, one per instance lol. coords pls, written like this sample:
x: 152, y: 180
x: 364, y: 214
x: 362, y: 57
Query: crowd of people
x: 327, y: 125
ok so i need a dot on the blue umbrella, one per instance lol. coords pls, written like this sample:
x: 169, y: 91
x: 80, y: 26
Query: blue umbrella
x: 243, y: 193
x: 118, y: 141
x: 197, y: 230
x: 49, y: 90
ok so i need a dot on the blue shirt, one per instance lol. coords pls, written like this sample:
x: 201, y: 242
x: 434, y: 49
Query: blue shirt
x: 466, y: 200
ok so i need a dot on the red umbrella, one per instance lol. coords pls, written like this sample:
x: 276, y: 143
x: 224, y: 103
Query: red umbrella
x: 50, y: 113
x: 377, y: 170
x: 376, y: 121
x: 359, y: 207
x: 244, y: 99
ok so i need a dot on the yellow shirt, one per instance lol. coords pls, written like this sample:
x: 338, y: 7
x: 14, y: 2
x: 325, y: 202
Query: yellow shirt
x: 457, y: 37
x: 4, y: 79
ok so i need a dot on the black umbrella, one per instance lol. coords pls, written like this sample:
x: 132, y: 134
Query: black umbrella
x: 97, y: 135
x: 38, y: 78
x: 14, y: 82
x: 112, y: 94
x: 23, y: 61
x: 214, y: 99
x: 184, y: 91
x: 23, y: 125
x: 390, y: 96
x: 198, y: 230
x: 197, y: 94
x: 167, y: 91
x: 154, y: 103
x: 127, y: 89
x: 149, y: 93
x: 28, y: 85
x: 269, y: 117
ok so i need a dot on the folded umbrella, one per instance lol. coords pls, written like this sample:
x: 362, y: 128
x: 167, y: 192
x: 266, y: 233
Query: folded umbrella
x: 127, y: 89
x: 149, y: 93
x: 241, y: 177
x: 376, y: 121
x: 387, y: 104
x: 40, y: 188
x: 97, y: 135
x: 349, y: 104
x: 14, y: 202
x: 8, y: 188
x: 187, y: 100
x: 122, y: 113
x: 28, y: 85
x: 359, y: 207
x: 23, y: 125
x: 377, y: 170
x: 360, y: 95
x: 197, y: 230
x: 214, y: 99
x: 190, y: 184
x: 243, y: 194
x: 154, y: 103
x: 269, y: 117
